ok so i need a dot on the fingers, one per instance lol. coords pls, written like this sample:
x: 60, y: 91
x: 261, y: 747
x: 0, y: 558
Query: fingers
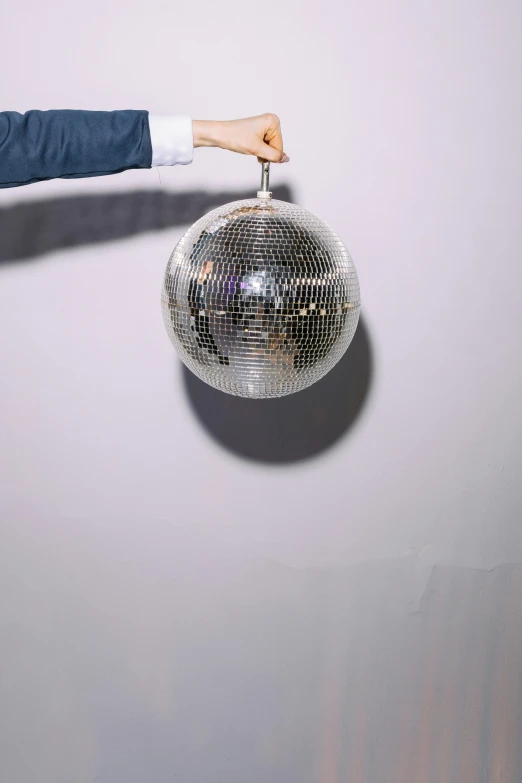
x: 284, y: 159
x: 265, y: 153
x: 273, y: 135
x: 272, y: 147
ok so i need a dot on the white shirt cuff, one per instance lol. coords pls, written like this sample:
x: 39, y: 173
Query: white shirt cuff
x: 172, y: 139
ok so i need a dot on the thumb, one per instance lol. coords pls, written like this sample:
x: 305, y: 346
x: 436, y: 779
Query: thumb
x: 265, y: 152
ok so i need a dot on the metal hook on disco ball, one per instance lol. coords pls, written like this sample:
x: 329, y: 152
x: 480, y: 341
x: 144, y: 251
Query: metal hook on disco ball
x: 260, y: 297
x: 265, y: 178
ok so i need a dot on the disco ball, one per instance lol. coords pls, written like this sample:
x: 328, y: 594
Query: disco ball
x: 260, y: 297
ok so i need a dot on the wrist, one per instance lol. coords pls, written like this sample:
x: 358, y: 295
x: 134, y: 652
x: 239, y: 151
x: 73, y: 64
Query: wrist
x: 206, y: 133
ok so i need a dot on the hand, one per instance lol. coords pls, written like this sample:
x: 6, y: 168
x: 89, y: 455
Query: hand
x: 259, y: 136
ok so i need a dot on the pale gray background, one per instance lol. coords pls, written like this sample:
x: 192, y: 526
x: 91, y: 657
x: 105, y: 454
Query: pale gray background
x: 172, y: 611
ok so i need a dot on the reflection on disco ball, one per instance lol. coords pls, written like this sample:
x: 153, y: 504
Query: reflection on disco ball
x: 260, y: 298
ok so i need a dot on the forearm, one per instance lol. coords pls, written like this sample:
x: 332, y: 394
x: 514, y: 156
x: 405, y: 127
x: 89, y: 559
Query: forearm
x: 40, y: 145
x: 207, y: 133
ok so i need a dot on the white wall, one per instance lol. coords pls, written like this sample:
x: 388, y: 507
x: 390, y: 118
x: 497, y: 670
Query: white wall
x: 169, y: 608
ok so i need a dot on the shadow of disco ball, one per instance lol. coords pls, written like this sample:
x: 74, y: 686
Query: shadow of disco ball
x: 260, y: 298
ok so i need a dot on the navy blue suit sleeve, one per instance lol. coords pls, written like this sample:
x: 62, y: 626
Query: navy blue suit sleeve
x: 41, y: 145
